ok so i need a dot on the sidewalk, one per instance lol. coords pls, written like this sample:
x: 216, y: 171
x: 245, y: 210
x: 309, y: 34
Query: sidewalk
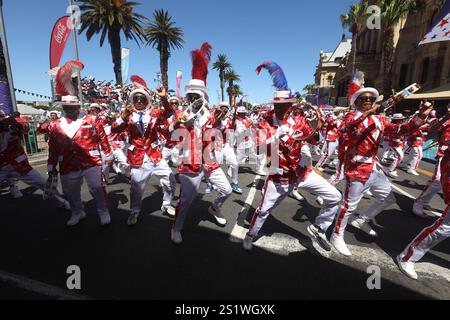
x: 38, y: 158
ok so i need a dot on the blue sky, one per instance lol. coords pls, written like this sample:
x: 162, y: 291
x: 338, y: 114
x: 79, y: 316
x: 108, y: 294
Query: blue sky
x: 249, y: 32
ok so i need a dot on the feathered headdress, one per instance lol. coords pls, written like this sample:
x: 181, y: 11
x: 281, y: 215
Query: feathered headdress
x: 64, y: 83
x: 138, y: 81
x: 200, y: 61
x: 277, y: 74
x: 356, y: 84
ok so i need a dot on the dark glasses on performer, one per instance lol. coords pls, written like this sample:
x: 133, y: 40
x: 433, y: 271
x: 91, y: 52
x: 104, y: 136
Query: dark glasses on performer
x: 137, y: 99
x: 367, y: 99
x: 191, y: 97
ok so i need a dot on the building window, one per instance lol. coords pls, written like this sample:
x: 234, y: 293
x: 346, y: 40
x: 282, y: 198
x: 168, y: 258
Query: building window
x: 425, y: 70
x: 403, y: 74
x: 411, y: 75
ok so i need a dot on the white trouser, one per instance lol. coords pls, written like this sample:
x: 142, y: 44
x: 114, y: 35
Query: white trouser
x: 71, y: 185
x: 339, y: 175
x: 190, y: 183
x: 428, y: 238
x: 32, y: 178
x: 433, y: 186
x: 398, y: 155
x: 274, y: 194
x: 414, y: 157
x: 120, y: 164
x: 329, y: 149
x: 386, y: 149
x: 171, y: 154
x: 226, y: 155
x: 379, y: 185
x: 306, y: 155
x: 141, y: 176
x: 245, y: 150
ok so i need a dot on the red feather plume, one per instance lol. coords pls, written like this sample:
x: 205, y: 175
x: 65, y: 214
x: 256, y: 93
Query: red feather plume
x: 64, y: 84
x: 200, y: 61
x: 138, y: 80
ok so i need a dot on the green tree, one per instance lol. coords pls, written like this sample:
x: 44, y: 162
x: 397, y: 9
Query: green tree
x: 309, y: 88
x: 231, y: 77
x: 221, y: 65
x: 165, y: 36
x: 109, y: 18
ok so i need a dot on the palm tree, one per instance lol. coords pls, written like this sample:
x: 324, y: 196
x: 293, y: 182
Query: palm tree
x: 309, y: 88
x: 392, y: 11
x: 165, y: 36
x: 354, y: 20
x: 221, y: 65
x: 230, y: 77
x: 110, y: 17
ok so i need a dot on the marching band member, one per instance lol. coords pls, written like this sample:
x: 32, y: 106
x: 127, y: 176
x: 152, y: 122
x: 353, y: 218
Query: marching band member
x: 440, y: 230
x: 291, y: 171
x: 415, y: 148
x: 331, y: 140
x: 76, y: 142
x: 142, y: 125
x: 434, y: 185
x: 197, y: 151
x: 118, y: 143
x: 396, y: 144
x: 365, y: 131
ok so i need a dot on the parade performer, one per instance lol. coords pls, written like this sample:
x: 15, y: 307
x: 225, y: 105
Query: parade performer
x: 142, y: 125
x: 440, y: 230
x: 365, y: 131
x: 396, y: 144
x: 291, y: 170
x: 197, y: 154
x: 75, y: 146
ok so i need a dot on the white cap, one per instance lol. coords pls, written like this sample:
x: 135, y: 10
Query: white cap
x: 361, y: 91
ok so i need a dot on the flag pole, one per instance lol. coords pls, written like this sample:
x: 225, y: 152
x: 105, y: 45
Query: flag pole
x: 7, y: 61
x: 80, y: 92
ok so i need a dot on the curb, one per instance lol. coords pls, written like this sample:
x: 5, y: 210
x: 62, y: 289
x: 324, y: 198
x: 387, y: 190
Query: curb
x: 38, y: 161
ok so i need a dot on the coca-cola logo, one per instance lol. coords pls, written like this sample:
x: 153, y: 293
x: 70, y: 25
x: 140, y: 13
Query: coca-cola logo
x: 61, y: 31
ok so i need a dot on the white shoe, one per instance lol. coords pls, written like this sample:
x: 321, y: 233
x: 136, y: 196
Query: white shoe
x: 105, y: 219
x: 176, y: 237
x: 368, y: 193
x: 413, y: 172
x: 407, y: 268
x: 217, y: 214
x: 363, y: 225
x: 169, y: 210
x: 15, y: 192
x: 247, y: 244
x: 392, y: 174
x: 133, y: 218
x: 297, y: 195
x: 339, y: 244
x: 75, y: 219
x: 320, y: 169
x: 261, y: 173
x: 320, y: 200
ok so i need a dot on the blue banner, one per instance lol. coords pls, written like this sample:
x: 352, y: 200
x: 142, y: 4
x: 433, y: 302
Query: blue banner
x: 430, y: 149
x: 125, y: 64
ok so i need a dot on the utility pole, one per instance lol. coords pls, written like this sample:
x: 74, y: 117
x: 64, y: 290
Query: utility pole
x: 74, y: 30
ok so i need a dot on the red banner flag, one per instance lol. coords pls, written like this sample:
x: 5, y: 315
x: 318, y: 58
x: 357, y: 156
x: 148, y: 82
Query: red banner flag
x: 60, y: 34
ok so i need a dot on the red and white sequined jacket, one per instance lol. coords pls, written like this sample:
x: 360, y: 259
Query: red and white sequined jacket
x: 11, y: 149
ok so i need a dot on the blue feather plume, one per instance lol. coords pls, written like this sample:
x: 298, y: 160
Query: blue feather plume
x: 277, y: 74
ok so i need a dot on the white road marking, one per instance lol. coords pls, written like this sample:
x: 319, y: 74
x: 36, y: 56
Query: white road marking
x: 238, y: 233
x: 39, y: 287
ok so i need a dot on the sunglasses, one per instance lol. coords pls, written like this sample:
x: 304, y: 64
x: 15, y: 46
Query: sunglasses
x: 140, y: 99
x: 191, y: 97
x: 367, y: 99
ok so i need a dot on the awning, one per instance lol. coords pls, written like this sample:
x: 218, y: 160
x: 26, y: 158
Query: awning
x: 440, y: 93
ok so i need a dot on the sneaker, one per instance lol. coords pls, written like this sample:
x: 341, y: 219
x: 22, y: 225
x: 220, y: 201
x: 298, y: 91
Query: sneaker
x: 320, y: 200
x: 392, y: 174
x: 105, y: 219
x: 407, y: 268
x: 363, y: 225
x: 75, y: 219
x: 64, y: 205
x: 133, y: 218
x: 317, y: 234
x: 236, y: 188
x: 261, y: 173
x: 247, y: 244
x: 369, y: 193
x: 220, y: 219
x: 168, y: 210
x: 413, y: 172
x: 339, y: 244
x: 209, y: 188
x: 176, y: 237
x: 320, y: 169
x: 15, y: 192
x: 297, y: 195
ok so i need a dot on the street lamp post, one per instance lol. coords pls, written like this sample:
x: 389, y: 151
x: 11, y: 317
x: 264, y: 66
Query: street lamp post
x: 7, y: 61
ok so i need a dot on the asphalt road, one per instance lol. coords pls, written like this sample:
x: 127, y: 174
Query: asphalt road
x: 121, y: 262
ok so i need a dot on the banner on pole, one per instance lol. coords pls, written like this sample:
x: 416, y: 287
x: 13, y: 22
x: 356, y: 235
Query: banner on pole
x: 60, y: 34
x: 5, y: 92
x: 179, y: 77
x: 440, y: 30
x: 125, y: 64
